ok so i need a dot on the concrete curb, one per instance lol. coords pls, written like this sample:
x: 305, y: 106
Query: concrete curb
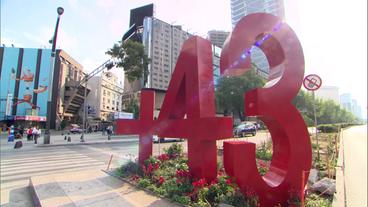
x: 110, y: 172
x: 35, y: 197
x: 339, y: 196
x: 87, y: 143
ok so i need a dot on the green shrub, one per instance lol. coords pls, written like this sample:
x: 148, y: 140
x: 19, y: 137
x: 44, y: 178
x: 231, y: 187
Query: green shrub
x: 314, y: 200
x: 328, y: 128
x: 128, y: 169
x: 185, y: 200
x: 175, y: 150
x: 144, y: 182
x: 152, y: 160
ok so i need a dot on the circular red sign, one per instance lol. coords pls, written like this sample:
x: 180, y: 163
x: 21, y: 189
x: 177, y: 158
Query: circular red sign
x: 312, y: 82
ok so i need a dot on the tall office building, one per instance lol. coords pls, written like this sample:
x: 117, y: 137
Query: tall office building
x: 217, y: 37
x: 162, y: 42
x: 350, y: 104
x: 241, y: 8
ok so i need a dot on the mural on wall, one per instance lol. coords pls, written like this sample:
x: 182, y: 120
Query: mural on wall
x: 188, y: 110
x: 28, y: 77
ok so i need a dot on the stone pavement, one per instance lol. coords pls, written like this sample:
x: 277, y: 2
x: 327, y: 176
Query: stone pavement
x: 351, y: 172
x: 90, y: 188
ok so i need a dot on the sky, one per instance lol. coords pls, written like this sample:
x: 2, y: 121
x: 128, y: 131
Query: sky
x: 333, y: 33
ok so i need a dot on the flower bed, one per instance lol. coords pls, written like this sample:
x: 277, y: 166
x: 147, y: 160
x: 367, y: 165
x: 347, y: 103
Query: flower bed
x: 168, y: 176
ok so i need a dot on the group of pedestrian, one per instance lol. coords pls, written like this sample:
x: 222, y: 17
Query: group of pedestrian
x: 33, y: 134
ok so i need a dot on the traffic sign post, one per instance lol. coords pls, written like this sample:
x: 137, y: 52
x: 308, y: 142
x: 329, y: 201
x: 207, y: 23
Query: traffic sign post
x: 312, y: 83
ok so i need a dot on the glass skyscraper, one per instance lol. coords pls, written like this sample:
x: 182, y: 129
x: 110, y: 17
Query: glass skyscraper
x: 241, y: 8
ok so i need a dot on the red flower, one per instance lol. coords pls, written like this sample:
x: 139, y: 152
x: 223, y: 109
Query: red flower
x: 134, y: 177
x: 228, y: 181
x: 182, y: 173
x: 156, y: 166
x: 163, y: 157
x: 161, y: 180
x: 200, y: 183
x: 214, y: 182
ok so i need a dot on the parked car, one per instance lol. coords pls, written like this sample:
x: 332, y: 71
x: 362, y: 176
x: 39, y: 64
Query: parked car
x: 164, y: 139
x: 75, y: 129
x: 245, y: 128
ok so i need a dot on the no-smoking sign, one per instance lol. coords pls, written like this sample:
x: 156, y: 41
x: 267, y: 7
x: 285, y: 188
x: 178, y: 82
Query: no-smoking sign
x: 312, y: 82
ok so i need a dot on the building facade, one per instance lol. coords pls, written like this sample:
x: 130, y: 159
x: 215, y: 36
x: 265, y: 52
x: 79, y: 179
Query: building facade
x: 241, y: 8
x: 105, y: 98
x: 217, y: 37
x: 162, y: 42
x: 350, y: 104
x: 25, y: 74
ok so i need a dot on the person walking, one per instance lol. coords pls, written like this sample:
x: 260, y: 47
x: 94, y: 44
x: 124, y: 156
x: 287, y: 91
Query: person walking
x: 34, y: 134
x: 29, y: 134
x: 109, y: 132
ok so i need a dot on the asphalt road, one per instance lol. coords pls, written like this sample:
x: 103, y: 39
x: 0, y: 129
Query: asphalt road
x: 355, y: 169
x: 18, y: 165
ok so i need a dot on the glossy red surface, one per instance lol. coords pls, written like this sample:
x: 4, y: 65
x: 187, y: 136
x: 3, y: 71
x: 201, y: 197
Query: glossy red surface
x: 272, y: 104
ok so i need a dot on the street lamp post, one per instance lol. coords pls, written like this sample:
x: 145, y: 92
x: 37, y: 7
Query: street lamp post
x: 46, y: 139
x: 84, y: 109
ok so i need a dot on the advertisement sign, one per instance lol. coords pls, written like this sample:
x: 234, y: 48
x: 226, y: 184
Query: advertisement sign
x: 123, y: 115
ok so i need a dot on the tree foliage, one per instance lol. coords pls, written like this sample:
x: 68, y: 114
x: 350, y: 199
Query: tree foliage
x: 327, y: 112
x: 230, y: 92
x: 132, y: 58
x: 230, y: 99
x: 133, y: 107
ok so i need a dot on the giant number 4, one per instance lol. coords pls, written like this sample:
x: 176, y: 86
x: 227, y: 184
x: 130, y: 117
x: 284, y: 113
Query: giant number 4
x: 272, y: 104
x: 188, y: 111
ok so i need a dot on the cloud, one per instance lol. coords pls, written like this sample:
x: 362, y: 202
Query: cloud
x: 8, y: 42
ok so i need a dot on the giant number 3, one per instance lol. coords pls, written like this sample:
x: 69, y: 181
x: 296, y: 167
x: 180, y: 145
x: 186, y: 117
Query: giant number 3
x: 272, y: 104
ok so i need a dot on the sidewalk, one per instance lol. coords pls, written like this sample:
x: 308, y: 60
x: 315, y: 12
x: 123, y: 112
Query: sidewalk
x: 90, y: 188
x: 57, y: 139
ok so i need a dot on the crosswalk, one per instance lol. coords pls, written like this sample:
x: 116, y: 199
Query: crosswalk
x: 25, y: 164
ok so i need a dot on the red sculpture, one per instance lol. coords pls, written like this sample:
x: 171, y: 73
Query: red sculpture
x: 188, y: 110
x: 144, y: 126
x: 272, y: 104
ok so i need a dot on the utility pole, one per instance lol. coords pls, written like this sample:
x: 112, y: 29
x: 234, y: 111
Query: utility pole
x: 46, y: 139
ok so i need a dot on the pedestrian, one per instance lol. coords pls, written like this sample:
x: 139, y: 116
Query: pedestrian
x: 109, y: 132
x: 34, y: 134
x: 29, y: 134
x: 21, y: 131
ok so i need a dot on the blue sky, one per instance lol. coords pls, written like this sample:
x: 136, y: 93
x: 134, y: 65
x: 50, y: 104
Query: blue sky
x: 333, y: 33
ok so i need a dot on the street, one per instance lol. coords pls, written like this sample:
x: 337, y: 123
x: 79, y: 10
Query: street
x: 355, y: 169
x: 18, y: 165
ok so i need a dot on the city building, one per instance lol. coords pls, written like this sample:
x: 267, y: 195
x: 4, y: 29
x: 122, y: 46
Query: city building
x: 25, y: 74
x: 217, y: 37
x: 350, y: 104
x: 162, y: 43
x: 328, y: 93
x: 241, y: 8
x: 105, y: 98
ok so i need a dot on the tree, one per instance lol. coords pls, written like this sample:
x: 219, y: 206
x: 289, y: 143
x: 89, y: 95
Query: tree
x: 327, y: 112
x: 230, y: 92
x: 133, y: 107
x: 132, y: 58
